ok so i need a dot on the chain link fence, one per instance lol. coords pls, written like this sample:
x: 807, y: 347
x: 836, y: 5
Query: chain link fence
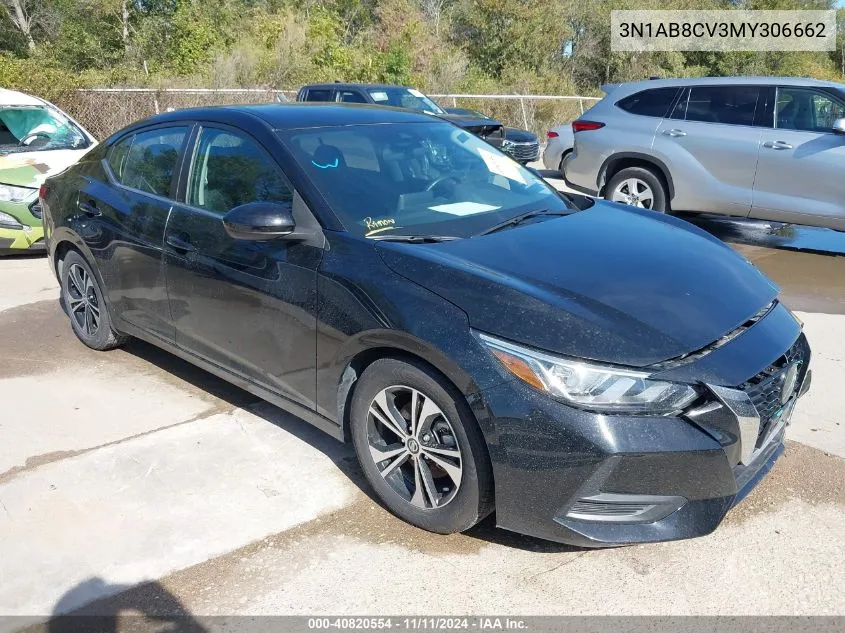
x: 103, y: 111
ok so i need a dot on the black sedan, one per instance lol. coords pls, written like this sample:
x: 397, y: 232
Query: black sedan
x: 599, y: 376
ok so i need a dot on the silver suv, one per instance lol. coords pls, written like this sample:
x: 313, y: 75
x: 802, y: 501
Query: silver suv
x: 760, y: 147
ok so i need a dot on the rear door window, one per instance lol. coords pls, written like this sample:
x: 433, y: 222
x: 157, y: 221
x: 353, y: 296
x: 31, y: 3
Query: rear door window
x: 730, y: 105
x: 150, y: 160
x: 351, y: 96
x: 319, y: 94
x: 654, y: 102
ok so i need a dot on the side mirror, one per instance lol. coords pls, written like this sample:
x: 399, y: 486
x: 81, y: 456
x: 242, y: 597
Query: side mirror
x: 259, y: 221
x: 838, y: 126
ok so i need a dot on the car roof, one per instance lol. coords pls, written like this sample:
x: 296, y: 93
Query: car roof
x: 342, y: 86
x: 735, y: 81
x: 284, y: 116
x: 15, y: 98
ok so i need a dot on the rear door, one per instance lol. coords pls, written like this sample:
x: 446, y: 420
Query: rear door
x: 801, y: 175
x: 125, y: 222
x: 710, y: 144
x: 246, y: 306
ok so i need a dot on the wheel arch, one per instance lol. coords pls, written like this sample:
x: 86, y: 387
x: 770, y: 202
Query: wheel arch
x: 62, y: 242
x: 617, y: 162
x: 369, y: 347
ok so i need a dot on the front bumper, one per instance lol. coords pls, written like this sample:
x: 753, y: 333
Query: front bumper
x: 28, y: 235
x: 594, y: 480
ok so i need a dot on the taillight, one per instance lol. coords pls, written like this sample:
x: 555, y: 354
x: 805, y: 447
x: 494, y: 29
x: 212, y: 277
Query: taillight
x: 551, y: 134
x: 42, y: 192
x: 586, y: 126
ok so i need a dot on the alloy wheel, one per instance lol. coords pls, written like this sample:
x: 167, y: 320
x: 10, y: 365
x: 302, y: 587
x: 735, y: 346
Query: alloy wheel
x: 414, y: 447
x: 635, y: 192
x: 82, y: 300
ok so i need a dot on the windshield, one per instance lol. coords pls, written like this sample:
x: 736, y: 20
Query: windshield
x: 37, y: 128
x: 405, y: 98
x: 417, y: 179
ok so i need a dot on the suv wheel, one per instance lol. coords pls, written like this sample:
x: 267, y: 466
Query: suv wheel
x: 639, y: 187
x: 419, y: 447
x: 82, y: 299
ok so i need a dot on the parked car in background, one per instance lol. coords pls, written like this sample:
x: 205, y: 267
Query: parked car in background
x: 36, y: 140
x: 479, y: 124
x: 521, y: 145
x: 762, y: 147
x: 559, y: 142
x: 481, y: 341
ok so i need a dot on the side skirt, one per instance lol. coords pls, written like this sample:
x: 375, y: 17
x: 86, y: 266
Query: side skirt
x: 312, y: 417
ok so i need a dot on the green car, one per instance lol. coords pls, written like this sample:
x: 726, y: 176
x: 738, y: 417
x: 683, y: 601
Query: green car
x: 37, y: 140
x: 20, y: 214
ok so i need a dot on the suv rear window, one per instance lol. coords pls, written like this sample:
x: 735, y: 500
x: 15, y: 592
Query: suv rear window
x: 652, y: 102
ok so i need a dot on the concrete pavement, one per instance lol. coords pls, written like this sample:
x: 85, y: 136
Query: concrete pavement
x: 132, y: 472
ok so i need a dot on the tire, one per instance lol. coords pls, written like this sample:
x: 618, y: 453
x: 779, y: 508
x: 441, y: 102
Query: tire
x: 645, y: 181
x: 417, y: 487
x: 562, y: 161
x: 83, y: 302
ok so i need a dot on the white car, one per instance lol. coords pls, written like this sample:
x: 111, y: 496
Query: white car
x: 559, y: 143
x: 37, y: 140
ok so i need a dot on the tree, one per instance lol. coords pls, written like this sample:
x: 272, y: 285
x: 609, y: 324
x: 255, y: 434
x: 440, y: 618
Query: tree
x: 26, y: 15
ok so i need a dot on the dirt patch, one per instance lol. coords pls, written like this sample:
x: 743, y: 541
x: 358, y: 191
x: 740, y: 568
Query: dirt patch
x: 803, y: 473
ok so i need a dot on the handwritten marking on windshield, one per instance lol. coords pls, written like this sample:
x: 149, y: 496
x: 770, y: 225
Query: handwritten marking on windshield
x: 377, y: 226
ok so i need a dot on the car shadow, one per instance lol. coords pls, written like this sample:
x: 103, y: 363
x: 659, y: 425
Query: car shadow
x: 770, y: 234
x: 342, y: 455
x: 97, y: 606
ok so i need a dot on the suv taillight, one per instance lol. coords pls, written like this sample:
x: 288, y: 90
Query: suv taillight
x: 42, y: 192
x: 586, y: 126
x: 551, y: 134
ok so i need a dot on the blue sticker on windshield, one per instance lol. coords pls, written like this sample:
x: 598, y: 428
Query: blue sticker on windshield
x: 326, y: 166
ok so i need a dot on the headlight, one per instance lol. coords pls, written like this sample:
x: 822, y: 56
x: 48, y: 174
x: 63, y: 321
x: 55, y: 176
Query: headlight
x: 9, y: 222
x: 588, y: 385
x: 10, y: 193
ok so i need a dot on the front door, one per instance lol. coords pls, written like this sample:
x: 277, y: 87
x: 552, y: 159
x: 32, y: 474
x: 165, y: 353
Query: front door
x: 710, y: 144
x: 801, y: 175
x: 246, y: 306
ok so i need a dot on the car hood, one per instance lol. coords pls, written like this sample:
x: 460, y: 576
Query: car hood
x: 470, y: 120
x: 520, y: 136
x: 31, y: 169
x: 611, y: 283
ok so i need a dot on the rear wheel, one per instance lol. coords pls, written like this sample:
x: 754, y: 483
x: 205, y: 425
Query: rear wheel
x: 83, y: 302
x: 639, y: 187
x: 419, y: 447
x: 562, y: 161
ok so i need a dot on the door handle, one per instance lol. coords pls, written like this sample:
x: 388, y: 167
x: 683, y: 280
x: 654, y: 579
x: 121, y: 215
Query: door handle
x: 674, y: 133
x: 177, y: 243
x: 90, y: 209
x: 777, y: 145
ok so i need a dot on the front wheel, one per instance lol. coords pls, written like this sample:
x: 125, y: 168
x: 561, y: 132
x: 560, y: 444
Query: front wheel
x: 420, y: 448
x: 639, y: 187
x: 82, y: 299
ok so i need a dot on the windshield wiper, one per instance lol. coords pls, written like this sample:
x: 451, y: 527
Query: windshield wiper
x: 414, y: 239
x: 519, y: 219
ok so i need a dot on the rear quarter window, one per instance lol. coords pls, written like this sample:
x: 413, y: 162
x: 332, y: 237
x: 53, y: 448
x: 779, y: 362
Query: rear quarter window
x: 654, y: 102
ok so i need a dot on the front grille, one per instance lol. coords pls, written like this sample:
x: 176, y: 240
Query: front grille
x: 522, y: 151
x: 765, y: 388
